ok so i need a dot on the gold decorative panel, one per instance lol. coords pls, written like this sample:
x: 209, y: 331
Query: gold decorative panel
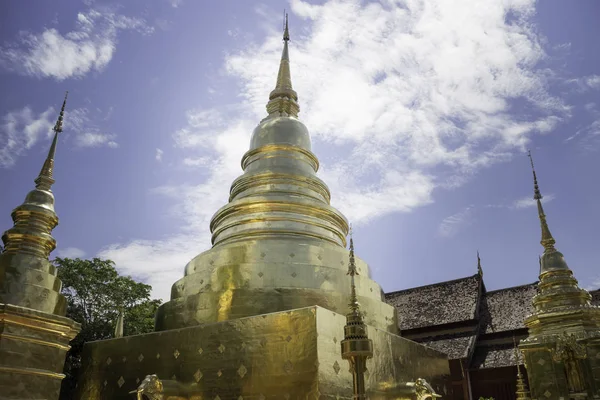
x: 282, y: 354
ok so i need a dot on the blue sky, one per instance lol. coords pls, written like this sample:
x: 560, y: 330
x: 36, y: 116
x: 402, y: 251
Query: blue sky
x: 420, y: 112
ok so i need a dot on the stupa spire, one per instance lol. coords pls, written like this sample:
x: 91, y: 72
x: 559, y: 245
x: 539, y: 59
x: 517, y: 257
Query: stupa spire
x: 555, y: 275
x: 44, y: 180
x: 35, y: 219
x: 547, y: 239
x: 283, y: 100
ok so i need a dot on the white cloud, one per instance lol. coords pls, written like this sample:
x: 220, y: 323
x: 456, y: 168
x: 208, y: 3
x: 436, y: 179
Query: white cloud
x: 585, y: 83
x: 70, y: 252
x: 451, y: 225
x: 90, y: 46
x: 21, y: 130
x: 159, y: 154
x: 196, y: 162
x: 529, y: 201
x: 95, y: 139
x: 81, y: 123
x: 588, y: 136
x: 175, y: 3
x: 401, y: 98
x: 593, y: 81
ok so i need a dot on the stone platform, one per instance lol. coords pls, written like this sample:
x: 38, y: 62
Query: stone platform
x: 287, y: 355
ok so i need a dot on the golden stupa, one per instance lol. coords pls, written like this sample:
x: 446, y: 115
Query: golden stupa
x: 34, y: 332
x: 261, y: 314
x: 562, y: 350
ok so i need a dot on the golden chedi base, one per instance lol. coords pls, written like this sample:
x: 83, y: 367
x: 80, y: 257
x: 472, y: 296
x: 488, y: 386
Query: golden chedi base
x: 255, y: 277
x: 33, y: 347
x: 286, y: 355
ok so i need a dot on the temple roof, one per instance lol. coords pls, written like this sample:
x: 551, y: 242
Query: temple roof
x: 454, y: 346
x: 437, y: 304
x: 496, y: 356
x: 595, y: 297
x: 505, y: 309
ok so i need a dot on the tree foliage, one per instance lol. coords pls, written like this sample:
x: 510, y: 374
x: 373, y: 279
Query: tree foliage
x: 95, y: 295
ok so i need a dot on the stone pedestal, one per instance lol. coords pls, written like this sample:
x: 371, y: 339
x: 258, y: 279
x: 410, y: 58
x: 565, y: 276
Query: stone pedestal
x: 286, y: 355
x: 33, y: 347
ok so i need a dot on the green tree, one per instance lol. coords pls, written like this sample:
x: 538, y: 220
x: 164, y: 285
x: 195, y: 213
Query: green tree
x: 95, y: 295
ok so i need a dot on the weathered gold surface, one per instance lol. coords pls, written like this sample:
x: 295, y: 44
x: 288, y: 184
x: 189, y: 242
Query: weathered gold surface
x: 258, y: 315
x: 562, y: 351
x: 290, y: 355
x: 34, y: 334
x: 33, y: 346
x: 278, y: 244
x: 27, y: 278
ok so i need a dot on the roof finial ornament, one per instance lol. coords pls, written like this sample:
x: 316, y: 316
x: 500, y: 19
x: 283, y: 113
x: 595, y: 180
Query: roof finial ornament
x: 479, y: 269
x: 44, y: 180
x: 547, y: 239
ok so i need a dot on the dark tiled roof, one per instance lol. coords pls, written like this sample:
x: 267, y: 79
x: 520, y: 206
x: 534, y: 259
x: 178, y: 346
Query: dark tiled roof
x: 506, y: 309
x: 455, y: 346
x: 494, y: 356
x: 595, y: 297
x: 438, y: 304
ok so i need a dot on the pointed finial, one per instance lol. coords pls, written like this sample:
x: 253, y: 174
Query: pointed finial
x: 283, y: 100
x: 479, y: 269
x: 44, y: 180
x: 286, y: 31
x: 547, y: 239
x: 354, y: 306
x: 351, y: 265
x: 536, y: 189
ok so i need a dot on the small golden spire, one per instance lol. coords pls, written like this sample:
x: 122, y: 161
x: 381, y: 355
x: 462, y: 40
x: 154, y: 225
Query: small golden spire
x: 44, y: 180
x: 522, y: 390
x: 283, y: 100
x: 547, y: 239
x: 353, y: 304
x: 479, y: 269
x: 356, y: 345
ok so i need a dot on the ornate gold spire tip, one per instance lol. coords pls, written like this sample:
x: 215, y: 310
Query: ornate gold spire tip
x: 547, y: 239
x: 286, y: 31
x: 283, y: 100
x: 45, y: 179
x: 537, y: 195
